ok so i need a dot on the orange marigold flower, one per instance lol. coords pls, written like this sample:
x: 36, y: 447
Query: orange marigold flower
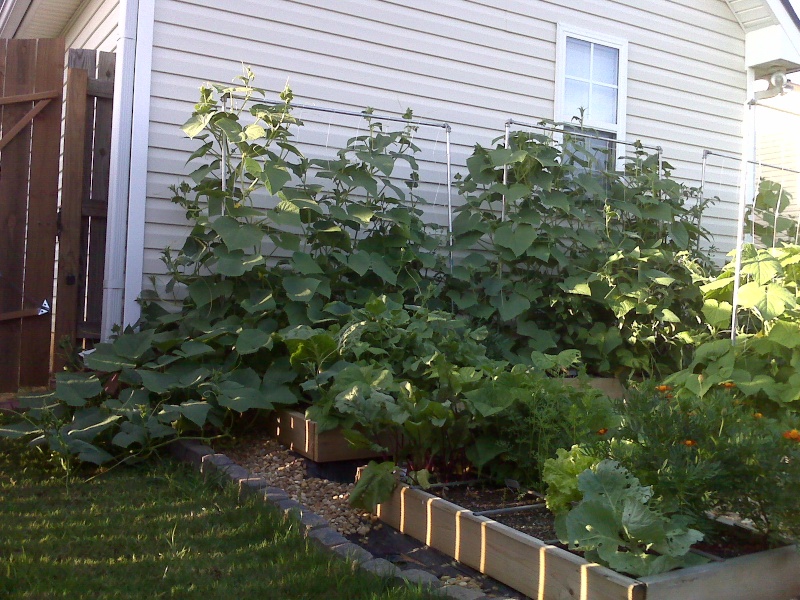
x: 689, y: 443
x: 728, y: 385
x: 792, y: 434
x: 602, y: 431
x: 663, y: 388
x: 758, y: 415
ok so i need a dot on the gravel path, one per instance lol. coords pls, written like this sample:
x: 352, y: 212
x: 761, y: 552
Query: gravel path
x: 265, y: 457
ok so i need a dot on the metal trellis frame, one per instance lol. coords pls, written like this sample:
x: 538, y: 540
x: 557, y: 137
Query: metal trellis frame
x: 556, y: 130
x: 742, y: 209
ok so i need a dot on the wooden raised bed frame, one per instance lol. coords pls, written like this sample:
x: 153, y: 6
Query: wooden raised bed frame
x: 547, y: 572
x: 293, y: 430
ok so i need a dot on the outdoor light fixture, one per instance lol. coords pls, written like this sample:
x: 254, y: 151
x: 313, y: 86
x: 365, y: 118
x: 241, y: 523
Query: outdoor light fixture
x: 779, y: 85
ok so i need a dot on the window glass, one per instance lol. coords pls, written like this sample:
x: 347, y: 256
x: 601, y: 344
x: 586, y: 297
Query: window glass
x: 591, y: 81
x: 576, y: 96
x: 604, y: 104
x: 579, y: 58
x: 606, y: 64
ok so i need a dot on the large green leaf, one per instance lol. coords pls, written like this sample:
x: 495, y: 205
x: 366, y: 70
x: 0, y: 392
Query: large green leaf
x: 517, y: 239
x: 105, y: 360
x: 237, y: 235
x: 300, y: 289
x: 252, y: 340
x: 512, y: 306
x: 76, y: 388
x: 133, y: 345
x: 769, y: 300
x: 305, y: 264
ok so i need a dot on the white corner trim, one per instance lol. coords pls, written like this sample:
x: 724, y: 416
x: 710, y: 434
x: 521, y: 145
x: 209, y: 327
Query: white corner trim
x: 128, y: 150
x: 140, y: 138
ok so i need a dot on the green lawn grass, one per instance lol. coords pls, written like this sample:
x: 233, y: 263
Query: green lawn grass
x: 156, y: 530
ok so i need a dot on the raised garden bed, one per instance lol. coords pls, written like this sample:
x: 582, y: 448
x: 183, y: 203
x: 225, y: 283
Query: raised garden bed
x: 547, y: 572
x: 293, y: 430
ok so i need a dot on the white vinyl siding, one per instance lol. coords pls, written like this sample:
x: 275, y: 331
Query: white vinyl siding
x: 94, y: 26
x: 471, y: 63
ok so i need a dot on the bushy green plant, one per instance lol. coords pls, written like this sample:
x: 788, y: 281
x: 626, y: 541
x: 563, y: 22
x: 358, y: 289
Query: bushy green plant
x: 617, y: 523
x: 277, y: 242
x: 716, y: 454
x: 545, y: 416
x: 761, y: 365
x: 560, y: 257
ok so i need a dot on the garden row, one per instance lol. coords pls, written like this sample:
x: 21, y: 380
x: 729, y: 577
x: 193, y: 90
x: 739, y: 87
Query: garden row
x: 317, y: 283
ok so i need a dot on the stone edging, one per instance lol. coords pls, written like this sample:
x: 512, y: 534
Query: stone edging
x: 314, y: 526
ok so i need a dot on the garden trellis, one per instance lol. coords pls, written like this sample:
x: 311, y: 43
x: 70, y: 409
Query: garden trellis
x: 555, y: 129
x: 435, y: 125
x: 749, y: 173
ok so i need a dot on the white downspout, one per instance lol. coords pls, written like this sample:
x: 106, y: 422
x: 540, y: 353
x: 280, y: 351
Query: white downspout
x: 140, y: 139
x: 123, y: 215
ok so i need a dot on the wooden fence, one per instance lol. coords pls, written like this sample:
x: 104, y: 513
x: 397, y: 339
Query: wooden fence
x: 84, y: 200
x: 31, y: 79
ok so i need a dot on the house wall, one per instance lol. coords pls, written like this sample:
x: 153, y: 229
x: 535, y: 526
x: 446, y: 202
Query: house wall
x: 778, y: 144
x: 471, y: 63
x: 94, y: 26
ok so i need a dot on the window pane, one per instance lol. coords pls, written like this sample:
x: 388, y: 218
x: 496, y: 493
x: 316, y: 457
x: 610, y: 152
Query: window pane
x: 579, y: 55
x: 606, y: 63
x: 576, y: 96
x: 604, y: 104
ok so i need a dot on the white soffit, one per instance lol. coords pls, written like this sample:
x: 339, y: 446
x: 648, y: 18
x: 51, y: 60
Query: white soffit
x: 36, y: 18
x: 772, y: 35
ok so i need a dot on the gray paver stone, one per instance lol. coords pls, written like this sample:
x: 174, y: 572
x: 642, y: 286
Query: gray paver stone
x: 190, y: 451
x: 327, y: 537
x: 420, y: 576
x: 353, y: 553
x: 251, y: 485
x: 212, y: 463
x: 235, y: 473
x: 461, y: 593
x: 274, y: 495
x: 380, y: 567
x: 289, y: 506
x: 311, y: 520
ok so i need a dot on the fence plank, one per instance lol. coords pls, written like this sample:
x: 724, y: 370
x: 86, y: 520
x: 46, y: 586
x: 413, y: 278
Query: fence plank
x: 101, y: 165
x: 18, y: 80
x: 36, y: 340
x: 72, y: 192
x: 85, y: 60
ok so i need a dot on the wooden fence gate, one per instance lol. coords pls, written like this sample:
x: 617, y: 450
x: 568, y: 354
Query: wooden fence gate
x: 84, y: 200
x: 31, y: 80
x: 31, y: 90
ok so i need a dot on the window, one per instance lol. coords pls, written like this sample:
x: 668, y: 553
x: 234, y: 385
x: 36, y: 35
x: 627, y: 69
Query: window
x: 591, y: 79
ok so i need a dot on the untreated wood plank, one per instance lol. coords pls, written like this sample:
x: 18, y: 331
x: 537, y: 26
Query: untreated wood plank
x: 71, y: 198
x: 23, y: 122
x: 101, y: 167
x: 770, y: 575
x: 35, y: 347
x: 52, y: 94
x: 20, y: 63
x: 86, y: 60
x: 525, y: 563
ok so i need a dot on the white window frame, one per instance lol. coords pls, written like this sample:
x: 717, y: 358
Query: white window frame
x: 565, y: 31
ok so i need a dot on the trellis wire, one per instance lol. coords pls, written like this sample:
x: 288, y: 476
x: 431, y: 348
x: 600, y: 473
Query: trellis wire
x: 435, y: 124
x: 554, y: 129
x: 742, y: 209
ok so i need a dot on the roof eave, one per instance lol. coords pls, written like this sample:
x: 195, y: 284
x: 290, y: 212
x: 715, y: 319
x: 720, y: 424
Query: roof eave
x: 12, y: 12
